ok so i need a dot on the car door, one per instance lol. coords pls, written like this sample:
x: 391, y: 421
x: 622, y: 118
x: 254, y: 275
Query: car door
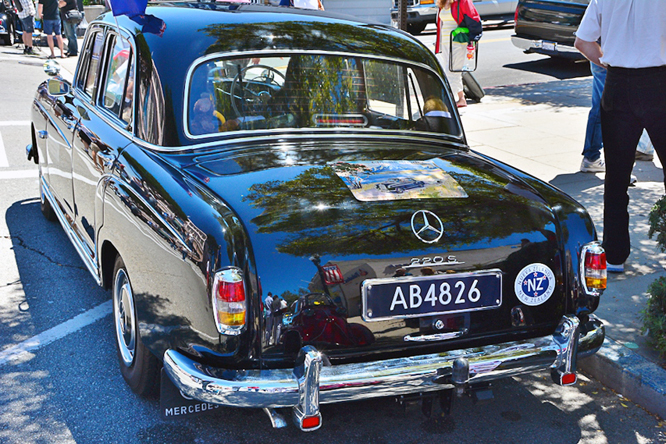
x: 105, y: 109
x: 60, y: 124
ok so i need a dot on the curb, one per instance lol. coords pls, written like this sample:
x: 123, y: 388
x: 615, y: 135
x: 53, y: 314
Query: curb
x: 630, y: 374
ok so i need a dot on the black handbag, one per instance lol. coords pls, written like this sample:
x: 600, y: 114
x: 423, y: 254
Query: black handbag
x: 73, y: 16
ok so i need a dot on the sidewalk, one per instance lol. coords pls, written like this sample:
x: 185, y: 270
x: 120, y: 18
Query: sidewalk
x: 540, y: 129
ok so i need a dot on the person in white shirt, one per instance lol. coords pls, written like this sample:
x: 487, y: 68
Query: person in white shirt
x: 633, y: 38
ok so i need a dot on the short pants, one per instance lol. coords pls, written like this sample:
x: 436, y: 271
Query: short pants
x: 51, y: 27
x: 28, y: 24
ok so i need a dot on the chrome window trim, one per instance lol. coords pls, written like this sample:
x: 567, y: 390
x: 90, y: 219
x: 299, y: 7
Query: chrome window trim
x: 293, y: 135
x: 277, y: 53
x: 91, y: 103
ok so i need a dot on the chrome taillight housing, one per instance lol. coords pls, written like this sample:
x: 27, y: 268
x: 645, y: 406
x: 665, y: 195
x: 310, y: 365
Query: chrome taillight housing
x: 229, y: 301
x: 593, y: 268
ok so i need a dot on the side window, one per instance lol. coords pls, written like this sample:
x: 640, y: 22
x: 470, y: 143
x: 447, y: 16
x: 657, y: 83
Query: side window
x: 118, y: 70
x: 95, y: 57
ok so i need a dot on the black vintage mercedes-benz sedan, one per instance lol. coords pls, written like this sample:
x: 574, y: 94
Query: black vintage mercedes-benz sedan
x: 287, y: 213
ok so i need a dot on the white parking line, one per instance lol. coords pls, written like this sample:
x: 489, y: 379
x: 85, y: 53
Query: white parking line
x: 4, y: 163
x: 19, y: 174
x: 15, y: 123
x: 58, y: 332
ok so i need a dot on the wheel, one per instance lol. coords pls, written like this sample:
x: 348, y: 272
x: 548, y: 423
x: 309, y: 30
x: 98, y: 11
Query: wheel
x: 44, y: 204
x: 139, y: 367
x: 253, y: 91
x: 416, y: 28
x: 7, y: 40
x: 471, y: 87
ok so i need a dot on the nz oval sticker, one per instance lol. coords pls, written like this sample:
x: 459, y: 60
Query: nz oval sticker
x: 534, y: 284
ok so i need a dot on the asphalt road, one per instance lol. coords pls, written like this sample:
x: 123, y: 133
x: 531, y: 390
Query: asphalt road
x: 59, y: 381
x: 500, y: 63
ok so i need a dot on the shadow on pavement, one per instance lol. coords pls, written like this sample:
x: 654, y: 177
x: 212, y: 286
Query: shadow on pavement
x: 560, y: 68
x: 558, y: 93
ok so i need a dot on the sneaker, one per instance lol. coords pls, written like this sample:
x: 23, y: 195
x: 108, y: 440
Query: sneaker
x: 613, y: 268
x: 51, y: 57
x: 29, y: 51
x: 596, y: 166
x: 632, y: 180
x: 644, y: 157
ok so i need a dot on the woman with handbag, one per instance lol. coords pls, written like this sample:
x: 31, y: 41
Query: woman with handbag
x: 456, y: 17
x: 71, y: 17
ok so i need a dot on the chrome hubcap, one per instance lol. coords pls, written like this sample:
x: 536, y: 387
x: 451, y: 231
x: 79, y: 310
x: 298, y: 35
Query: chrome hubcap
x: 123, y: 312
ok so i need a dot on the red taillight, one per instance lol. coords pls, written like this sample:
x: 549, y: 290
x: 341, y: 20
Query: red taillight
x: 594, y: 267
x: 568, y: 378
x: 311, y: 422
x: 229, y: 304
x: 515, y: 17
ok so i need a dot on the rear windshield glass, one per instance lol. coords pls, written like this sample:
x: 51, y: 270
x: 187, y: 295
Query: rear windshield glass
x: 316, y: 91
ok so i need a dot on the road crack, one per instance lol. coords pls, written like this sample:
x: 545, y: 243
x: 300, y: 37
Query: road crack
x: 23, y: 244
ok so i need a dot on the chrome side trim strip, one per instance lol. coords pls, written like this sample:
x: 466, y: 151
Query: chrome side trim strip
x: 392, y: 377
x: 90, y: 263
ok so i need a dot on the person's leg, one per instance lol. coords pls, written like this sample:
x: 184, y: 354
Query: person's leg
x: 593, y: 139
x: 47, y: 27
x: 621, y: 131
x: 28, y: 28
x: 650, y: 91
x: 58, y: 33
x: 68, y: 30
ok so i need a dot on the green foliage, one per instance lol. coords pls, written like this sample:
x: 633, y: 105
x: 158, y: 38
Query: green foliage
x: 657, y: 219
x: 654, y: 315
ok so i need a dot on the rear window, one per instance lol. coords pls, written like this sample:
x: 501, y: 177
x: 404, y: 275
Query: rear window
x: 316, y: 91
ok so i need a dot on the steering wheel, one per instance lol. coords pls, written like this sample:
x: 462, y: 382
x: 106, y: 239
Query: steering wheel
x: 253, y: 92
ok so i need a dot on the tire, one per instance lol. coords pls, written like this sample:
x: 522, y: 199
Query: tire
x: 472, y: 88
x: 139, y: 367
x: 416, y: 28
x: 7, y: 40
x: 44, y: 204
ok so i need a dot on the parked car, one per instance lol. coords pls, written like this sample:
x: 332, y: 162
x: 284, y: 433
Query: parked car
x: 422, y: 12
x: 202, y: 166
x: 9, y: 22
x: 548, y: 27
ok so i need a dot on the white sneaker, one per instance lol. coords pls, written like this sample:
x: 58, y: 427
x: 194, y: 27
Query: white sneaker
x: 597, y: 166
x: 613, y: 268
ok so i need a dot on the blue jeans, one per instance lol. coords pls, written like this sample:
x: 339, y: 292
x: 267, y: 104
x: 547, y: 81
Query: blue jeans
x: 593, y: 140
x: 70, y: 33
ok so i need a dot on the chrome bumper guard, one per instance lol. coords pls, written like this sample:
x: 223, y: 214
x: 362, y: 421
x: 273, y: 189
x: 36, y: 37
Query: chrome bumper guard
x: 312, y: 383
x: 541, y: 46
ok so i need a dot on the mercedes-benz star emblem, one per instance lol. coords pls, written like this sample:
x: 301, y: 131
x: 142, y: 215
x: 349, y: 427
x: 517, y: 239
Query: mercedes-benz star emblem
x: 427, y: 226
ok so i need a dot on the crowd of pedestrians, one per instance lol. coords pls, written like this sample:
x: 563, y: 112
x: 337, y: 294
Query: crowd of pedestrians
x: 53, y: 17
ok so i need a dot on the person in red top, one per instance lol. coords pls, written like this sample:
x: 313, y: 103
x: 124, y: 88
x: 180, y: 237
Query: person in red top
x: 462, y: 14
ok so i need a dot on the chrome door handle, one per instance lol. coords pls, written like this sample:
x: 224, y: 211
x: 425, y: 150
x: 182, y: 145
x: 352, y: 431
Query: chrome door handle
x: 42, y: 134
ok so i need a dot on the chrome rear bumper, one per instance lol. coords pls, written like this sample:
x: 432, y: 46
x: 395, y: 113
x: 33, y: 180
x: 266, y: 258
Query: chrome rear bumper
x: 311, y: 383
x: 545, y: 47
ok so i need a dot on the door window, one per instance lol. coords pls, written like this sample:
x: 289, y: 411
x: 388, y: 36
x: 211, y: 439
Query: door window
x: 117, y: 97
x: 93, y: 65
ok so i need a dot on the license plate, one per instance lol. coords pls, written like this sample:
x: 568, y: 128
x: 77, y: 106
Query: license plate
x: 548, y: 46
x: 410, y: 297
